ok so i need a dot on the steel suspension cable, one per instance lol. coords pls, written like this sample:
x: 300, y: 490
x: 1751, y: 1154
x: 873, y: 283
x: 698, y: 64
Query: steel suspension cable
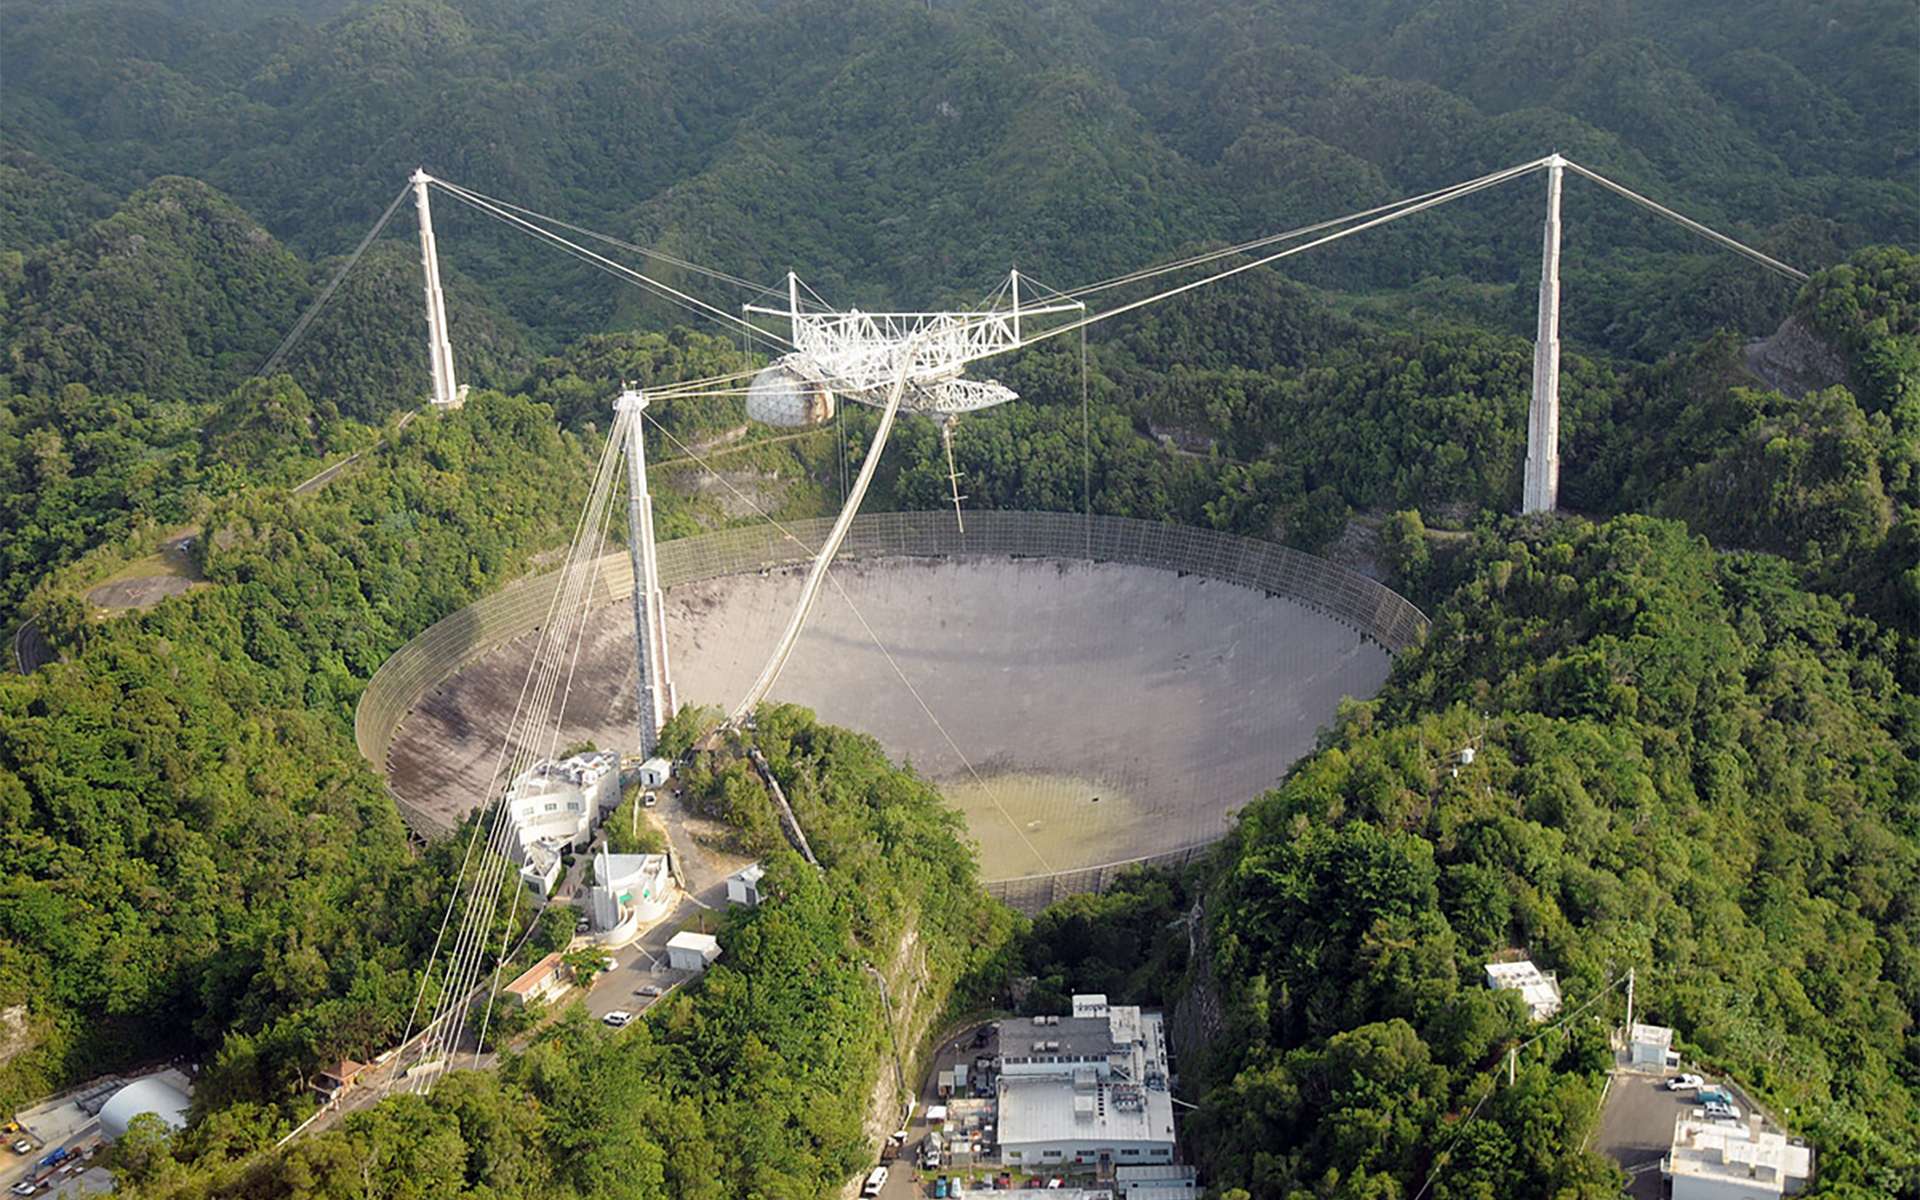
x: 1745, y: 251
x: 1275, y: 238
x: 319, y: 302
x: 612, y: 267
x: 609, y: 239
x: 1422, y: 206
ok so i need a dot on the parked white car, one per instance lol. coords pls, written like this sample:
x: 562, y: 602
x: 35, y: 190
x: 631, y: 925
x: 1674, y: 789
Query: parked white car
x: 617, y: 1018
x: 1685, y: 1083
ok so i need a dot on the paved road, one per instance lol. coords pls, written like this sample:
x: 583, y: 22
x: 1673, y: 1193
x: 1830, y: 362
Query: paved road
x: 30, y: 648
x: 906, y: 1180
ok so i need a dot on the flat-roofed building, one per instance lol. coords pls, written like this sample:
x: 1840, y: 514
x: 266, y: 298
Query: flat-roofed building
x: 1651, y: 1046
x: 689, y: 951
x: 1539, y: 989
x: 1085, y: 1090
x: 1163, y: 1175
x: 1730, y: 1160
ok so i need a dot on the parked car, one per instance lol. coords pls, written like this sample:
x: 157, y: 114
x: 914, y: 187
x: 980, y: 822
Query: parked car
x: 1720, y: 1111
x: 876, y: 1179
x: 940, y: 1188
x: 1708, y: 1095
x: 648, y: 989
x: 23, y: 1146
x: 25, y: 1188
x: 649, y: 800
x: 617, y: 1018
x: 1685, y: 1083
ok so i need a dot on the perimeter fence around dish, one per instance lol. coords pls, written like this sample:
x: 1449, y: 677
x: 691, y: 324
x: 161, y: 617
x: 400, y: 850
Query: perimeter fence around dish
x: 1362, y: 604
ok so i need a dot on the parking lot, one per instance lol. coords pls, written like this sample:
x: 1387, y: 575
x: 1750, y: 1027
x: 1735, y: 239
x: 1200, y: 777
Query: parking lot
x: 1636, y: 1128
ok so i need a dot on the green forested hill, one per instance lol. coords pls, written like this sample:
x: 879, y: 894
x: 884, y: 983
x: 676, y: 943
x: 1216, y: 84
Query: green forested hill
x: 1693, y: 701
x: 897, y: 151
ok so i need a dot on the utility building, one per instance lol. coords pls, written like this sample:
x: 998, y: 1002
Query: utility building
x: 1091, y: 1090
x: 743, y: 886
x: 1651, y: 1046
x: 689, y: 951
x: 1721, y: 1160
x: 1540, y: 989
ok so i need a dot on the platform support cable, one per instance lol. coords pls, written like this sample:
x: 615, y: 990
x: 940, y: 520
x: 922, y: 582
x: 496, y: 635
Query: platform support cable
x: 572, y: 626
x: 617, y: 269
x: 326, y: 293
x: 1272, y: 239
x: 609, y: 239
x: 1407, y: 209
x: 464, y: 959
x: 873, y: 636
x: 1685, y: 222
x: 553, y: 743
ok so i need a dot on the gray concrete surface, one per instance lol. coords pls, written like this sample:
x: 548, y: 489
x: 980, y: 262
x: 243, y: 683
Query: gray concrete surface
x: 1172, y: 699
x: 1636, y: 1128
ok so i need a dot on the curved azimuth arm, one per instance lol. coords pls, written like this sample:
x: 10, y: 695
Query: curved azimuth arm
x: 817, y: 573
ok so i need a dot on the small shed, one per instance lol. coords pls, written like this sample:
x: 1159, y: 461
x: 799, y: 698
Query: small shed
x: 654, y: 772
x: 337, y: 1078
x: 689, y: 951
x: 743, y: 886
x: 1651, y: 1046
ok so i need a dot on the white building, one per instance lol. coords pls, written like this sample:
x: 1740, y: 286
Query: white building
x: 743, y: 886
x: 654, y: 772
x: 689, y: 951
x: 1651, y: 1046
x: 1085, y: 1089
x: 1715, y: 1160
x: 553, y: 807
x: 629, y: 891
x: 1540, y: 989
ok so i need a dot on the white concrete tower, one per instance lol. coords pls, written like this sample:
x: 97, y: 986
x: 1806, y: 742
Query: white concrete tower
x: 439, y: 350
x: 1542, y: 491
x: 649, y: 608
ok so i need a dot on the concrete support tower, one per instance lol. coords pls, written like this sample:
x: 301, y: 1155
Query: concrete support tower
x: 649, y: 608
x: 439, y: 350
x: 1542, y: 491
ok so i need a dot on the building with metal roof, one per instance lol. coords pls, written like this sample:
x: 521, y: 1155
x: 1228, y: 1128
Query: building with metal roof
x: 689, y: 951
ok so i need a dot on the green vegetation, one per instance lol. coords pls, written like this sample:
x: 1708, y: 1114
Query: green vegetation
x: 753, y: 1081
x: 1684, y: 762
x: 1694, y: 714
x: 198, y: 862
